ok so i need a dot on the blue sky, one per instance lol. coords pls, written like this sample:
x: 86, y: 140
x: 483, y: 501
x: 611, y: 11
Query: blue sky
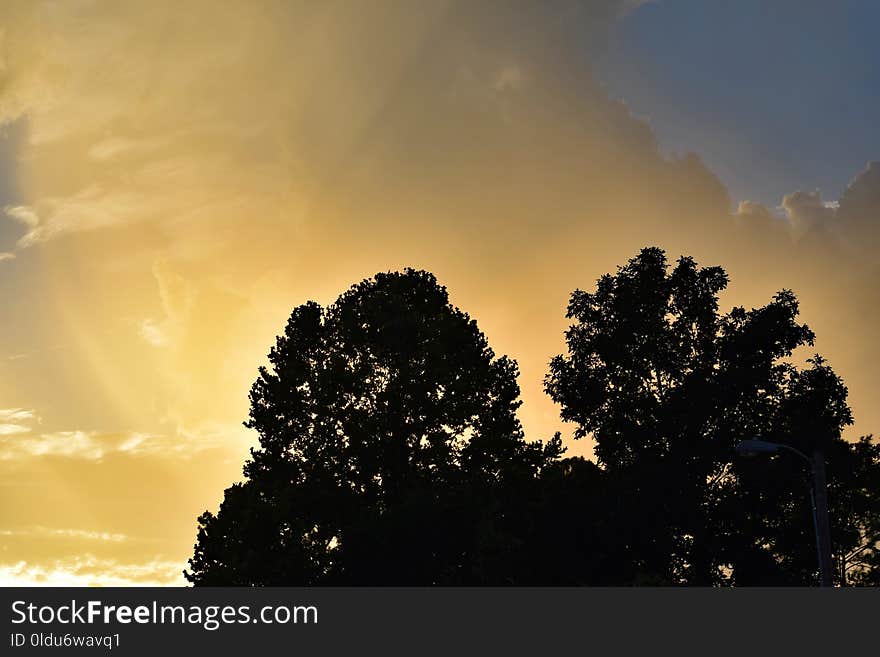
x: 774, y: 96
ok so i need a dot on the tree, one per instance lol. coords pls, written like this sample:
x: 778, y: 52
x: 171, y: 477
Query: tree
x: 390, y: 451
x: 855, y: 514
x: 666, y: 385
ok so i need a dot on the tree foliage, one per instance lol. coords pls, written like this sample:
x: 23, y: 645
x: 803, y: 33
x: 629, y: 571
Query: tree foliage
x: 667, y: 385
x: 389, y: 449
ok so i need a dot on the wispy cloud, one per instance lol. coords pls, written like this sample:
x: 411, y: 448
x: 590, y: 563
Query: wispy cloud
x: 152, y: 332
x: 81, y: 444
x: 88, y: 445
x: 19, y: 439
x: 22, y: 214
x: 14, y: 421
x: 20, y: 442
x: 88, y: 570
x: 8, y: 429
x: 16, y: 415
x: 54, y: 532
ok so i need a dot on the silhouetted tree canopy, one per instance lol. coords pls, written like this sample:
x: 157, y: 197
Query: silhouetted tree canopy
x: 667, y: 385
x: 390, y: 452
x: 389, y: 449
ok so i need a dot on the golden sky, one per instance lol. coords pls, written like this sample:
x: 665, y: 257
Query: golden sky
x: 176, y: 177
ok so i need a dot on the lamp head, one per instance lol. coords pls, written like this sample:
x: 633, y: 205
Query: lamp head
x: 756, y: 448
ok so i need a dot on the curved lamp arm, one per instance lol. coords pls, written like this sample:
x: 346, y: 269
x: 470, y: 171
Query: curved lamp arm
x: 757, y: 447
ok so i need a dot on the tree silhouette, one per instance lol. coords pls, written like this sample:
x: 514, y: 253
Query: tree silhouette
x: 666, y: 385
x: 389, y: 450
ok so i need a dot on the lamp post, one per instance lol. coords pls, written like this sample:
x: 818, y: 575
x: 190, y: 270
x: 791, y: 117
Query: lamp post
x: 818, y: 496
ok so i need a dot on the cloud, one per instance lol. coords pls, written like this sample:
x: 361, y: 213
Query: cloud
x: 180, y: 169
x: 50, y: 532
x: 858, y: 212
x: 129, y: 507
x: 754, y: 211
x: 89, y: 209
x: 23, y: 215
x: 203, y: 170
x: 807, y: 211
x: 19, y: 444
x: 851, y: 223
x: 16, y: 415
x: 854, y: 219
x: 15, y: 421
x: 88, y: 570
x: 248, y: 123
x: 154, y: 333
x: 11, y: 429
x: 192, y: 171
x: 79, y: 444
x: 6, y: 255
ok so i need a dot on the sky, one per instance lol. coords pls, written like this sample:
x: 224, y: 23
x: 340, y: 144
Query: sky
x: 773, y: 96
x: 176, y: 177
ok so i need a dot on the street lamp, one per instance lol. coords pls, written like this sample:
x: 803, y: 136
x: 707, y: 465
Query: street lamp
x: 818, y: 496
